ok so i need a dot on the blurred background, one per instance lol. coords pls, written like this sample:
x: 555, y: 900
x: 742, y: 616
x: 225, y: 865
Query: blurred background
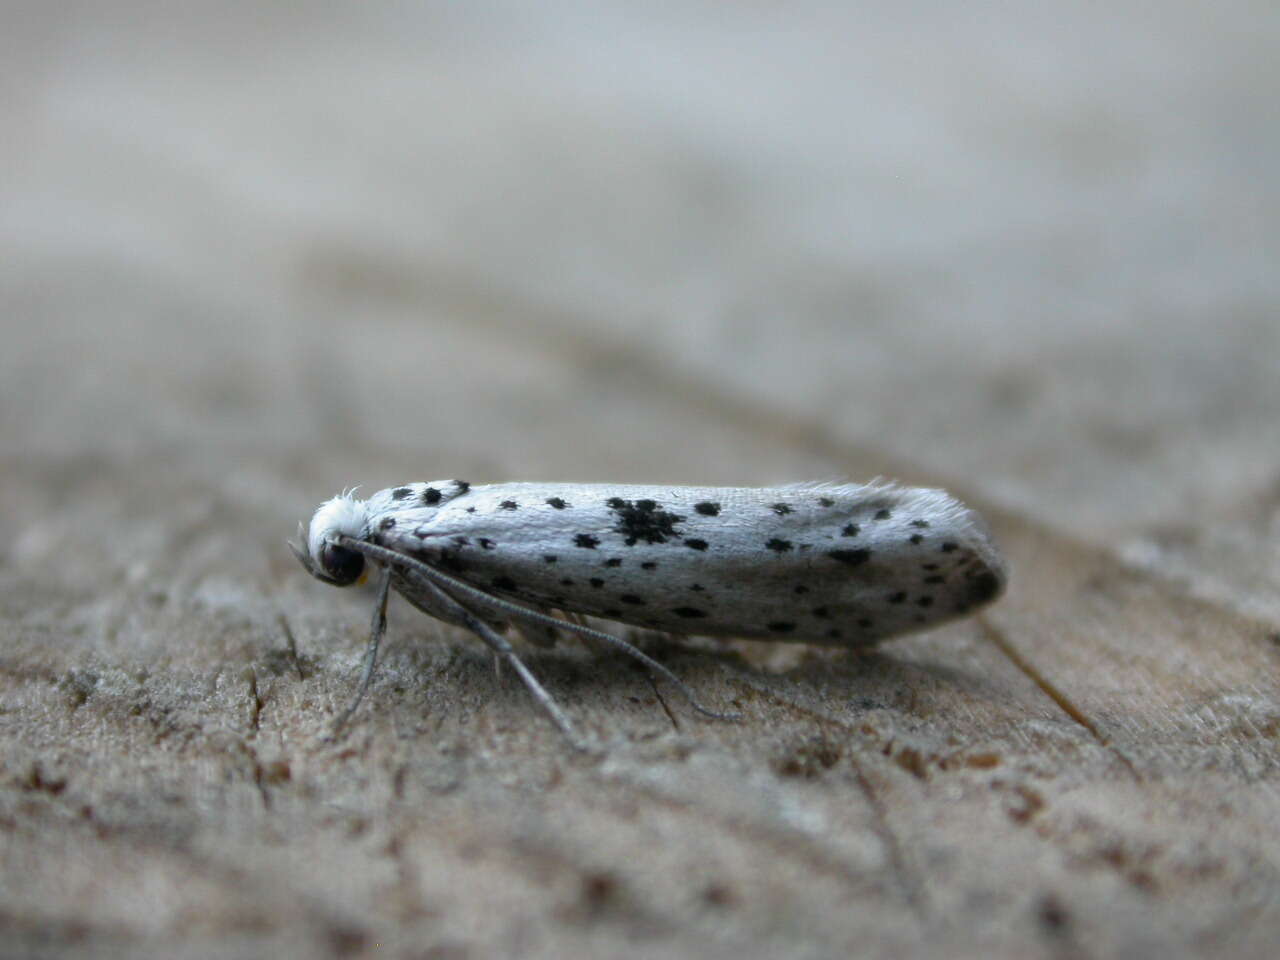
x: 1033, y: 248
x: 251, y: 254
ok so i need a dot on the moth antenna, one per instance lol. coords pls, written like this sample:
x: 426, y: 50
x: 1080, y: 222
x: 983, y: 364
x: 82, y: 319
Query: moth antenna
x: 308, y: 564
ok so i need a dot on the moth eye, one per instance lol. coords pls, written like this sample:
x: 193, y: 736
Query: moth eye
x: 342, y: 565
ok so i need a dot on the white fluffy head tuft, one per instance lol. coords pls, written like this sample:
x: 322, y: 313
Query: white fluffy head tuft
x: 344, y: 514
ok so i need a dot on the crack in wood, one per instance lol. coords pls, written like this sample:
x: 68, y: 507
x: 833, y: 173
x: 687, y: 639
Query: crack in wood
x: 663, y: 700
x: 291, y: 644
x: 1051, y: 690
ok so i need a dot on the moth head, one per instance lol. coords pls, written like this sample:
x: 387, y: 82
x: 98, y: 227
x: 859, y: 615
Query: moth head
x: 325, y: 558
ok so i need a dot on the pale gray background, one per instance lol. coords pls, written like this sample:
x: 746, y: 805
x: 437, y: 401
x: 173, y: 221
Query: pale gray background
x: 254, y: 253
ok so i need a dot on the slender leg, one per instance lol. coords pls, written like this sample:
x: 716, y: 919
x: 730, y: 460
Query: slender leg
x: 503, y: 651
x: 376, y: 630
x: 609, y: 640
x: 426, y: 574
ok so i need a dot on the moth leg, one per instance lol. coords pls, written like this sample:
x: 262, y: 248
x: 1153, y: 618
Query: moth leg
x: 376, y: 630
x: 410, y: 588
x: 541, y: 634
x: 602, y: 640
x: 565, y: 622
x: 426, y: 574
x: 502, y: 650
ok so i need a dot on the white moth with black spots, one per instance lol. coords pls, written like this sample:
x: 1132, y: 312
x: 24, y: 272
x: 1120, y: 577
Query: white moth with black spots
x: 835, y: 564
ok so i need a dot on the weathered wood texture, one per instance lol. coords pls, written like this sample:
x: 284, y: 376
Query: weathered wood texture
x: 252, y: 257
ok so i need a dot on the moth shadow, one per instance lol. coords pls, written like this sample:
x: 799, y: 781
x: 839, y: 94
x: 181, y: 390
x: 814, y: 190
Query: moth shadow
x: 903, y: 682
x: 720, y: 673
x: 575, y: 674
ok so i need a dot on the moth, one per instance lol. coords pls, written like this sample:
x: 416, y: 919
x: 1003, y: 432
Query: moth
x: 835, y: 564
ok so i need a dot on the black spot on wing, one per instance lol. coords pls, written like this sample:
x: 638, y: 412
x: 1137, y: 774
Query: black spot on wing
x: 648, y: 565
x: 781, y: 509
x: 949, y: 547
x: 430, y: 495
x: 689, y: 613
x: 826, y: 502
x: 643, y: 520
x: 882, y: 515
x: 920, y: 523
x: 850, y: 530
x: 387, y: 523
x: 549, y: 558
x: 778, y: 545
x: 509, y: 505
x: 693, y: 543
x: 462, y: 486
x: 399, y: 493
x: 556, y: 503
x: 915, y: 538
x: 613, y: 562
x: 586, y: 541
x: 707, y: 508
x: 485, y: 543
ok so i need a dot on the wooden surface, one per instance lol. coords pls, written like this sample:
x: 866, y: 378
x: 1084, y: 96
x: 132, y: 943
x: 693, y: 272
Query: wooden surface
x: 249, y: 259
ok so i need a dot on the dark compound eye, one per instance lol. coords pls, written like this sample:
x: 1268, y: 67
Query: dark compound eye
x: 342, y: 565
x: 985, y: 587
